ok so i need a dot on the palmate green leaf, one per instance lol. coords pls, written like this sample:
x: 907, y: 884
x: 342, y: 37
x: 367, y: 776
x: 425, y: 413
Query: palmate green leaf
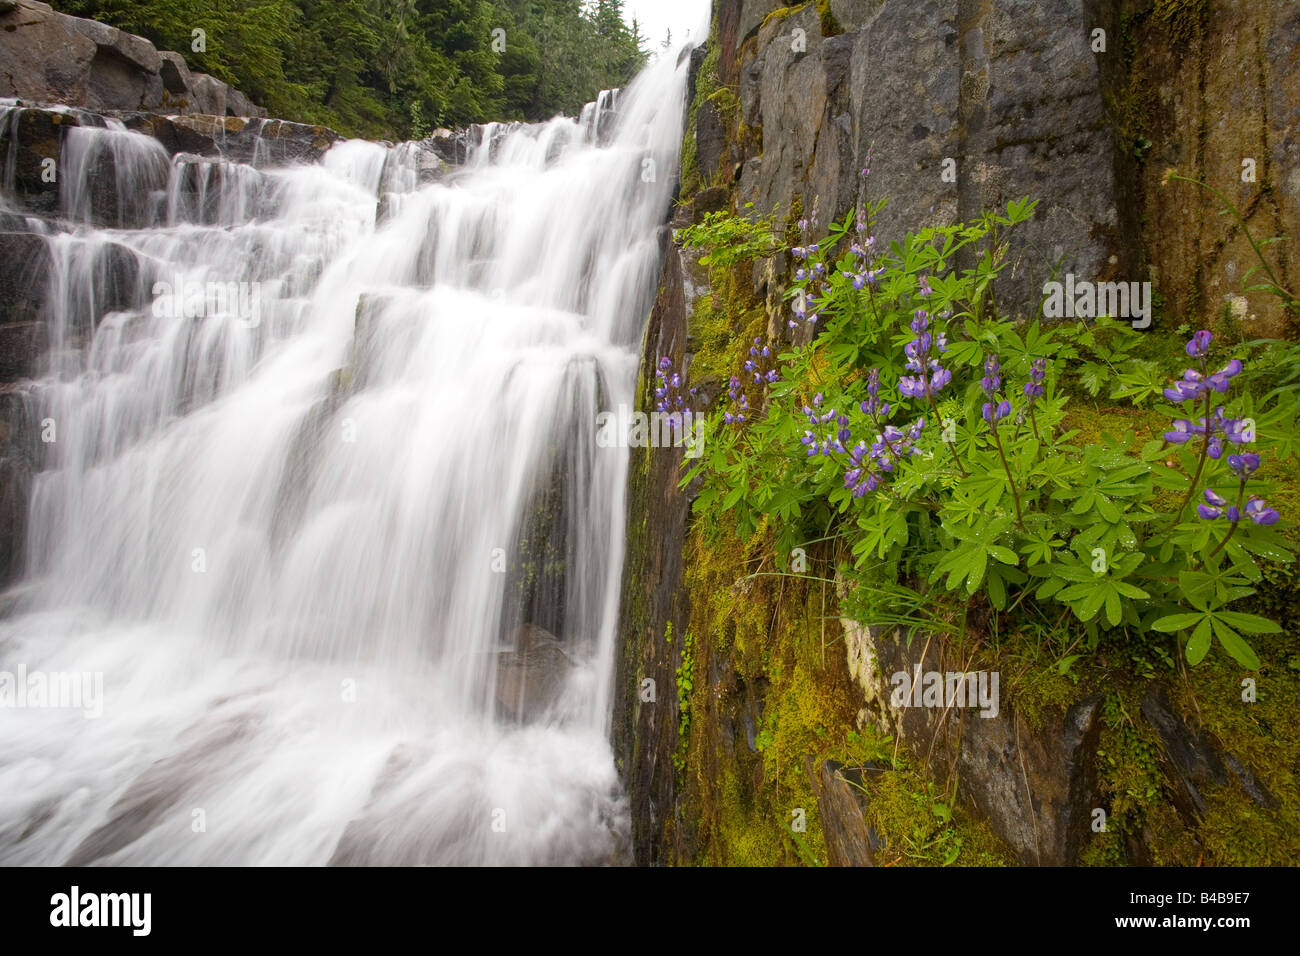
x: 1232, y: 643
x: 1106, y: 508
x: 1199, y: 643
x: 1114, y: 613
x: 1176, y: 622
x: 1087, y: 609
x: 1250, y: 623
x: 1130, y: 590
x: 1266, y: 543
x: 1075, y: 592
x: 975, y: 570
x: 1005, y: 555
x: 733, y: 497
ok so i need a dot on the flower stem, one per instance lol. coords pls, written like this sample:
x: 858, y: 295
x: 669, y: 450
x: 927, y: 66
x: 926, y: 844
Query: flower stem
x: 1015, y: 493
x: 938, y: 419
x: 1200, y: 465
x: 1241, y: 494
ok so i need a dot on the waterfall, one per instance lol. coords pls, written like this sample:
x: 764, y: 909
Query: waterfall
x: 319, y: 500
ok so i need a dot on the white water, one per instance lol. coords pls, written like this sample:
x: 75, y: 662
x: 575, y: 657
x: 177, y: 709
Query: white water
x: 276, y: 535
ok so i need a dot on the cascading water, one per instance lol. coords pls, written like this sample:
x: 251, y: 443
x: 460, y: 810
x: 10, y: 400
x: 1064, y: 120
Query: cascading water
x: 322, y: 502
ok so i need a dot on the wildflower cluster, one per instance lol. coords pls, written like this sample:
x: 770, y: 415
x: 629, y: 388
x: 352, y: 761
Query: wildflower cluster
x: 760, y: 367
x: 928, y: 376
x: 805, y: 306
x: 671, y: 394
x: 995, y: 409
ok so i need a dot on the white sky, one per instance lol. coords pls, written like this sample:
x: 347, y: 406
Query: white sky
x: 655, y: 17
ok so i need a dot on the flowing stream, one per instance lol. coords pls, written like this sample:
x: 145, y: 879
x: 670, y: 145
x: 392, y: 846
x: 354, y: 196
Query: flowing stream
x: 319, y: 501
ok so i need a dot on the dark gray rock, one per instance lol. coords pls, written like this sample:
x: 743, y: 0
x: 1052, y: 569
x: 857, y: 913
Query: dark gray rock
x: 645, y: 730
x: 1036, y: 786
x: 531, y: 677
x: 208, y: 95
x: 1193, y: 759
x: 1011, y: 93
x: 135, y: 51
x: 839, y: 803
x: 24, y: 287
x: 15, y: 496
x: 50, y: 57
x: 28, y: 139
x: 42, y: 59
x: 175, y: 73
x: 236, y: 138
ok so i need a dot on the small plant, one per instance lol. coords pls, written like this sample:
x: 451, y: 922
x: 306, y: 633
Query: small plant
x: 685, y: 685
x: 931, y: 434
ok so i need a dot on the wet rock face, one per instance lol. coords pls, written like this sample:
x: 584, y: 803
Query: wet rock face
x: 1036, y: 787
x: 1195, y: 760
x: 1009, y: 91
x: 50, y: 57
x: 1013, y: 93
x: 645, y: 708
x: 531, y: 677
x: 839, y: 802
x: 236, y: 138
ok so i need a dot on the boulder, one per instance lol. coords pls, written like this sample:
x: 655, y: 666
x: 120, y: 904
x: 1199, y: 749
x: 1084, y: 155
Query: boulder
x: 42, y: 59
x: 30, y: 137
x: 208, y: 94
x: 839, y: 802
x: 50, y: 57
x: 23, y: 285
x: 15, y: 494
x: 531, y: 677
x: 175, y: 74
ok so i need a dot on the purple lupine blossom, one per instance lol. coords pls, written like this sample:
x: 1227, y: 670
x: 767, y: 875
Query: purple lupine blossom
x: 739, y: 400
x: 1243, y: 465
x: 994, y: 410
x: 1034, y: 387
x: 873, y: 406
x: 761, y: 370
x: 1257, y: 510
x: 1199, y: 343
x: 928, y: 376
x: 1196, y: 382
x: 671, y: 394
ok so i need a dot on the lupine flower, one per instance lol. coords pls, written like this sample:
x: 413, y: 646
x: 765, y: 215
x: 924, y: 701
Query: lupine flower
x: 1199, y: 343
x: 992, y: 379
x: 873, y: 406
x: 1195, y: 383
x: 925, y: 291
x: 1243, y: 465
x: 994, y: 411
x: 670, y: 394
x: 928, y: 376
x: 1257, y: 510
x: 1034, y: 387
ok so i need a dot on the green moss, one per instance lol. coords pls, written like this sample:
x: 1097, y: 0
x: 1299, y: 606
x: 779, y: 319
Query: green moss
x: 830, y: 26
x: 921, y: 829
x: 1038, y: 677
x: 707, y: 83
x: 1182, y: 18
x: 685, y: 686
x: 782, y: 13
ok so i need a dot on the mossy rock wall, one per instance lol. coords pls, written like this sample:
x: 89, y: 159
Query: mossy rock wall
x: 772, y: 739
